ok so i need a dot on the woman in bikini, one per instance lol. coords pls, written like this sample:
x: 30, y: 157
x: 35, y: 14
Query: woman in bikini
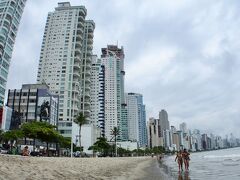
x: 186, y: 158
x: 179, y: 160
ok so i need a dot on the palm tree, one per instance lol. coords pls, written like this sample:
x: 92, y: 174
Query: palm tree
x: 115, y: 133
x: 80, y: 119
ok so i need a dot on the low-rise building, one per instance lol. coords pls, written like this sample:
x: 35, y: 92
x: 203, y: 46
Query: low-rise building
x: 129, y: 145
x: 32, y: 102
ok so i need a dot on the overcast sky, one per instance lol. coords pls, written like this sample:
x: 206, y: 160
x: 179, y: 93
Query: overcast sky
x: 182, y: 55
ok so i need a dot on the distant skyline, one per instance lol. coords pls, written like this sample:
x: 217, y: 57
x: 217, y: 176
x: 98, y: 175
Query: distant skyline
x: 182, y: 56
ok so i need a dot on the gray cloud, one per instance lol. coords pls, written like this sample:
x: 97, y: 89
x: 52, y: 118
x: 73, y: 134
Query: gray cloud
x: 182, y: 56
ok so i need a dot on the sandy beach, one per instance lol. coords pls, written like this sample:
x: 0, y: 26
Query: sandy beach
x: 27, y: 168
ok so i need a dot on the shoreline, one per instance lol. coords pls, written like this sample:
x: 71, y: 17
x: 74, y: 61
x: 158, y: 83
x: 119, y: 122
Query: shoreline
x: 29, y: 168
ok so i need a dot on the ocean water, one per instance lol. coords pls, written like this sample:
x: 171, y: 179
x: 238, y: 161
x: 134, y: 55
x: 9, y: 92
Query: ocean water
x: 217, y: 165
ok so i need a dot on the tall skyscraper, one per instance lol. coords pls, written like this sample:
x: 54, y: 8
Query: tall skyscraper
x: 165, y: 128
x: 97, y: 94
x: 113, y: 60
x: 10, y: 16
x: 163, y: 119
x: 85, y: 68
x: 183, y: 127
x: 136, y: 118
x: 154, y: 133
x: 65, y: 57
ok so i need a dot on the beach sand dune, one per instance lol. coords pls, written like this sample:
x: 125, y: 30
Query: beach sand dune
x: 34, y: 168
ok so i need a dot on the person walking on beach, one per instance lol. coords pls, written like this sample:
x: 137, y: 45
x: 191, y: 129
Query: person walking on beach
x: 186, y: 158
x: 179, y: 159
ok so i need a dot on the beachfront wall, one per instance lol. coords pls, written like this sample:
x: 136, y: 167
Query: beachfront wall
x: 89, y: 135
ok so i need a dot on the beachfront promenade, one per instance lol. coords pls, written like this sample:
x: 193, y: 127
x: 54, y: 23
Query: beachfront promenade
x: 26, y: 168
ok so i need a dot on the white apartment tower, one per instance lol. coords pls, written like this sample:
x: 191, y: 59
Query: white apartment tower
x: 97, y: 94
x: 10, y: 16
x: 113, y: 60
x: 86, y: 65
x: 136, y: 119
x: 63, y: 59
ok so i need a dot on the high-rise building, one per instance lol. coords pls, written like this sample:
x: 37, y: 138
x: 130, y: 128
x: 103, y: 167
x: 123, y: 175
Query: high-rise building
x: 10, y: 16
x: 97, y: 94
x: 167, y: 137
x: 154, y: 133
x: 197, y: 139
x: 113, y: 60
x: 183, y: 127
x: 163, y: 119
x: 136, y: 118
x: 124, y: 136
x: 65, y: 61
x: 85, y: 68
x: 173, y: 129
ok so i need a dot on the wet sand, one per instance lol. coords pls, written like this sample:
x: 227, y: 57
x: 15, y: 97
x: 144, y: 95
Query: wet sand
x: 29, y: 168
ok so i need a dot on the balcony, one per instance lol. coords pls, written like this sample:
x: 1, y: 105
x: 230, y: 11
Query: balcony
x: 77, y: 52
x: 79, y: 38
x: 77, y: 59
x: 75, y: 108
x: 87, y: 74
x: 90, y: 47
x: 87, y: 81
x: 90, y: 28
x: 90, y: 35
x: 78, y: 44
x: 82, y: 13
x: 6, y: 25
x: 75, y: 82
x: 90, y: 41
x: 75, y: 90
x: 80, y: 24
x: 76, y: 75
x: 76, y: 66
x: 88, y: 66
x: 75, y: 100
x: 88, y: 60
x: 88, y: 88
x: 4, y: 33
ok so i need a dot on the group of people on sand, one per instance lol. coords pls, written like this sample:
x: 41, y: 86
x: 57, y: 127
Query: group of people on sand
x: 183, y: 157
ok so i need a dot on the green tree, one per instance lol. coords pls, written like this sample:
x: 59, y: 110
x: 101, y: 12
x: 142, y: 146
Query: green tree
x: 101, y: 146
x: 123, y: 152
x: 80, y: 119
x: 158, y: 150
x: 11, y: 136
x: 138, y: 152
x: 43, y: 131
x: 115, y: 133
x: 1, y: 136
